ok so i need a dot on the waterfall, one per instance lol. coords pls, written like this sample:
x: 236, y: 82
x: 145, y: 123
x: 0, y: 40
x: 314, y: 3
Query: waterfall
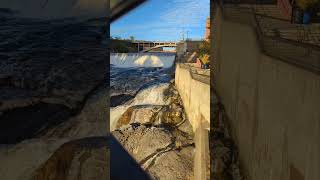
x: 164, y: 60
x: 153, y: 95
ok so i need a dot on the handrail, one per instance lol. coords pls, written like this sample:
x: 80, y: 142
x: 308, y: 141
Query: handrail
x: 278, y: 38
x: 195, y: 74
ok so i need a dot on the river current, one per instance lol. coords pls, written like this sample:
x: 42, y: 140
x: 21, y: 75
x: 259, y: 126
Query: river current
x: 138, y: 79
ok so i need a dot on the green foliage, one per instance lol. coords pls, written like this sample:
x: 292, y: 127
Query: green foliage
x: 204, y: 48
x: 204, y: 51
x: 121, y: 46
x: 132, y: 38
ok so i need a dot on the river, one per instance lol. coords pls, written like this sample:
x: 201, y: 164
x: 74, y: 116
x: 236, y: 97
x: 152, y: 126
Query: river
x: 147, y: 118
x: 138, y: 79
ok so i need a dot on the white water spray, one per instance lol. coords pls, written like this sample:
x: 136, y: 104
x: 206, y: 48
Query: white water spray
x: 126, y: 60
x: 153, y: 95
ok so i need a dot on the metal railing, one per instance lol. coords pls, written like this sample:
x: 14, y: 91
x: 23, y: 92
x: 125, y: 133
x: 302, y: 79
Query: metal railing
x: 293, y: 43
x: 197, y: 73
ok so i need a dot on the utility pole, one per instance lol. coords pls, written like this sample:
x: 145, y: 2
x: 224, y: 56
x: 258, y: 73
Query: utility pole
x: 181, y: 36
x: 183, y: 33
x: 187, y: 35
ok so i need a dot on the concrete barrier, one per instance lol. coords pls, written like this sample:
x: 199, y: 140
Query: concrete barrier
x: 273, y: 106
x: 193, y: 85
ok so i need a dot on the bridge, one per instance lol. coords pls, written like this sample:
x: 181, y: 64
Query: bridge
x: 144, y: 46
x: 158, y: 46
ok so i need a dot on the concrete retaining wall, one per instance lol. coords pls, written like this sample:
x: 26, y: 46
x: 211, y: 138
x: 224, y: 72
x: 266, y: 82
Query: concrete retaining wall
x: 194, y: 93
x: 273, y: 107
x: 194, y: 89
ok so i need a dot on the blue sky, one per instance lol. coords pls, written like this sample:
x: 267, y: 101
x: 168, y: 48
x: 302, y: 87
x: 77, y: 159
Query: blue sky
x: 164, y: 20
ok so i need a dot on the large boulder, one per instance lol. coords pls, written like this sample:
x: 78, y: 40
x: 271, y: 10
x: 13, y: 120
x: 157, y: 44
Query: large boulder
x: 81, y: 159
x: 172, y: 114
x: 155, y: 148
x: 144, y: 114
x: 21, y: 160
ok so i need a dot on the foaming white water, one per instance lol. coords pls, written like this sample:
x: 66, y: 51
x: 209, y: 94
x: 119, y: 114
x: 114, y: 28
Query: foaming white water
x: 126, y: 60
x: 153, y: 95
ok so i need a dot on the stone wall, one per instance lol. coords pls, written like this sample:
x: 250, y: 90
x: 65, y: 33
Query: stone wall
x: 273, y: 106
x: 193, y: 85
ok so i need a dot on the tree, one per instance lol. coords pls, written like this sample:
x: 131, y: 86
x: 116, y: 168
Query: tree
x: 204, y: 48
x: 132, y: 38
x: 307, y: 4
x: 204, y: 51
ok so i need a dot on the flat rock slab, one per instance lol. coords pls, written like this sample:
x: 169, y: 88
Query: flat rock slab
x: 155, y: 148
x: 82, y: 159
x: 176, y: 164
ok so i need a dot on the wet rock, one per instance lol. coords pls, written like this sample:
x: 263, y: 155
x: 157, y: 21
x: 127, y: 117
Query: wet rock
x: 28, y: 155
x: 91, y: 121
x: 171, y: 116
x: 152, y: 114
x: 48, y: 65
x: 51, y: 72
x: 27, y: 122
x: 77, y: 160
x: 125, y: 118
x: 144, y: 114
x: 119, y: 99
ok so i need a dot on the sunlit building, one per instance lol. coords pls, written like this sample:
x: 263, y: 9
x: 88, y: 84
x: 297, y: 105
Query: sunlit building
x: 207, y: 34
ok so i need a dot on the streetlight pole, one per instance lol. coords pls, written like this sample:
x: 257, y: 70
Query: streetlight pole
x: 187, y: 35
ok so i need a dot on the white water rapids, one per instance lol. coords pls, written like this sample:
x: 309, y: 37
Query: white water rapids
x: 151, y: 94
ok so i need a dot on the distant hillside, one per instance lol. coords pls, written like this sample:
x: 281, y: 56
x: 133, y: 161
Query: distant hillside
x: 121, y: 46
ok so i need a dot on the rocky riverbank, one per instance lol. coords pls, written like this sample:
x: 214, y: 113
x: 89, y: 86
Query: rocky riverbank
x: 53, y: 96
x: 158, y: 137
x: 48, y: 69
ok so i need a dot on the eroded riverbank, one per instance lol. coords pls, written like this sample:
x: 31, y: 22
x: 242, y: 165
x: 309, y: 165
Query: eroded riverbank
x: 152, y: 125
